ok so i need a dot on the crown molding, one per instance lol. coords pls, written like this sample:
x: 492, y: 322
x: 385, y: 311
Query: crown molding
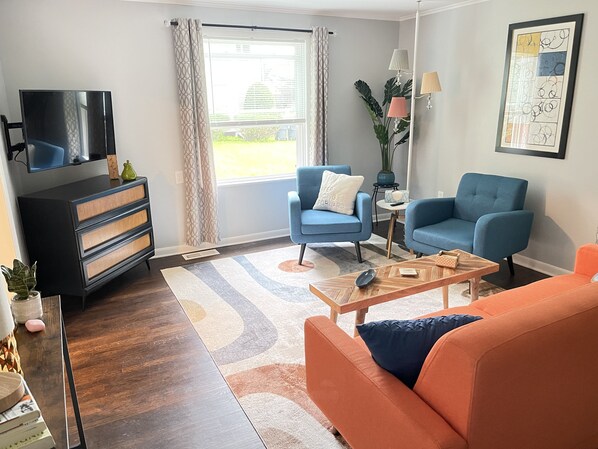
x: 371, y: 15
x: 429, y: 12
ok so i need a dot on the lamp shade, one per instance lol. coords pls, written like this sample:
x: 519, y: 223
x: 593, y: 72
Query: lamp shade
x: 398, y: 107
x: 399, y: 60
x: 7, y: 323
x: 430, y: 83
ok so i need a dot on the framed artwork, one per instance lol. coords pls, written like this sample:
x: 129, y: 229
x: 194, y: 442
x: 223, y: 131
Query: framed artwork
x: 538, y: 85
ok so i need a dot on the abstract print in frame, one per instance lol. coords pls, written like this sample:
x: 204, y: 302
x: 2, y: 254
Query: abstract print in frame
x: 538, y: 84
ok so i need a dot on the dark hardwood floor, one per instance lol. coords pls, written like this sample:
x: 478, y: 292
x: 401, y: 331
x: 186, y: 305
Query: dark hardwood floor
x: 143, y: 376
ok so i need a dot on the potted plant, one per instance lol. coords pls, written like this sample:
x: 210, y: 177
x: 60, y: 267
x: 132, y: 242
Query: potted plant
x: 384, y: 129
x: 21, y: 280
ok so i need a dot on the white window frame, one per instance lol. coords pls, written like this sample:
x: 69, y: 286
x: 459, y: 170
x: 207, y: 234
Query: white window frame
x: 275, y: 36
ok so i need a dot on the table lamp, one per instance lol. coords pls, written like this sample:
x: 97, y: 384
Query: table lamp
x: 9, y: 357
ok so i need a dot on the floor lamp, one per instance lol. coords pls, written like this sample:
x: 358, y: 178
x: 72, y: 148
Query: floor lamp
x: 430, y: 84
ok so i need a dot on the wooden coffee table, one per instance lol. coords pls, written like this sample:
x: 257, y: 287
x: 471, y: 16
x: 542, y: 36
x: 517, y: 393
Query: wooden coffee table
x: 341, y: 294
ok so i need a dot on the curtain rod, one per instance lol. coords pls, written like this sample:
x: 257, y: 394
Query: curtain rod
x: 247, y: 27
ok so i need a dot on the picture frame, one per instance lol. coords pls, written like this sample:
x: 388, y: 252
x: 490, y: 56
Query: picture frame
x: 538, y: 84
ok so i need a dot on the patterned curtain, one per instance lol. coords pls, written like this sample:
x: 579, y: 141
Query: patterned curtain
x: 200, y: 178
x: 318, y: 145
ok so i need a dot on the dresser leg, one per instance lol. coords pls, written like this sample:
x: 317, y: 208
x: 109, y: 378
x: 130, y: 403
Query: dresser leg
x: 148, y: 265
x: 83, y: 298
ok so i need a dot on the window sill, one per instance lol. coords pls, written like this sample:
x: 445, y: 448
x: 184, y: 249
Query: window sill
x: 256, y: 180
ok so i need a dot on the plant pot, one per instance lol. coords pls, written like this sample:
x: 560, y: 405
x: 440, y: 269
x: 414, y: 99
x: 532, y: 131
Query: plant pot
x: 27, y: 309
x: 385, y: 177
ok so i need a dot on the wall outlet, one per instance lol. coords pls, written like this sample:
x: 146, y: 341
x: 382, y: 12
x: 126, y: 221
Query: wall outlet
x: 440, y: 194
x: 179, y: 177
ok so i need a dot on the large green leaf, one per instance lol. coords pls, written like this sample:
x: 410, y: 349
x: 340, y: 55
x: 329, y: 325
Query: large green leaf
x: 366, y: 95
x: 20, y: 279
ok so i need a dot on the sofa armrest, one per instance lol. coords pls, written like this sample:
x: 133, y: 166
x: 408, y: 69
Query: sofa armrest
x: 586, y: 260
x: 367, y: 405
x: 294, y: 215
x: 363, y: 210
x: 502, y: 234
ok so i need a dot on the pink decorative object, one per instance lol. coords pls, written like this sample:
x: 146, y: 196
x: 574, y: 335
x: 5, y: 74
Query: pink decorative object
x: 35, y: 325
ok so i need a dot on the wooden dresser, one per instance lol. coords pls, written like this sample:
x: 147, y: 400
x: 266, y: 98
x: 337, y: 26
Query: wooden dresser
x: 84, y: 234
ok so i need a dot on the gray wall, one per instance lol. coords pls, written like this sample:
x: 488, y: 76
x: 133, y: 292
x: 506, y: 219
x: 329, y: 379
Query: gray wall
x: 467, y: 47
x: 124, y: 47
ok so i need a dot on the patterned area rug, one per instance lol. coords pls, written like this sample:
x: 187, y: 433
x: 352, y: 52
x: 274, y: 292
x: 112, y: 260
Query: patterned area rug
x: 249, y: 311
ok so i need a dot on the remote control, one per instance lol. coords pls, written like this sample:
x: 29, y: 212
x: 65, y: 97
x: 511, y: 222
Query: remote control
x: 397, y: 204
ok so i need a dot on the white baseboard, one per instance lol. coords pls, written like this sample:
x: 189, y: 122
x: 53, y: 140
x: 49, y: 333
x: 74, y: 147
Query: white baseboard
x: 248, y: 238
x: 542, y: 267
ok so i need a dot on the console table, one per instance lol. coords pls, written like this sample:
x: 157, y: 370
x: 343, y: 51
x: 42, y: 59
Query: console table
x: 86, y: 233
x: 44, y: 359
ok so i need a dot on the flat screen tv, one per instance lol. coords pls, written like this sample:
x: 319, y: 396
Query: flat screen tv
x: 63, y: 128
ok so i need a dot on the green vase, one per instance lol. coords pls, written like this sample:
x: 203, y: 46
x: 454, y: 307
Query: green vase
x: 128, y: 173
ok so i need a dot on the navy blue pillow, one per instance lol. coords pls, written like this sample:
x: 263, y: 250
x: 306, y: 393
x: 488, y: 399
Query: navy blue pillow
x: 401, y: 346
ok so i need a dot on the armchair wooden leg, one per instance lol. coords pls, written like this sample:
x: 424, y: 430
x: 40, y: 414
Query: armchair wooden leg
x: 511, y: 266
x: 358, y: 251
x: 302, y: 253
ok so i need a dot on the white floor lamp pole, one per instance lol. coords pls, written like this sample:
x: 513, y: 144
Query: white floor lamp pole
x: 413, y: 95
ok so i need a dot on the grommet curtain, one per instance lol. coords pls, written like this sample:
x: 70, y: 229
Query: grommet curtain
x: 318, y: 145
x: 201, y: 223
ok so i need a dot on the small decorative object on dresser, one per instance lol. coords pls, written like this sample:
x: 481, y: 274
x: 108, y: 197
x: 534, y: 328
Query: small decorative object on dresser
x: 128, y: 173
x: 21, y: 280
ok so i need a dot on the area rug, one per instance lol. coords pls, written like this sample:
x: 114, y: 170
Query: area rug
x: 249, y: 311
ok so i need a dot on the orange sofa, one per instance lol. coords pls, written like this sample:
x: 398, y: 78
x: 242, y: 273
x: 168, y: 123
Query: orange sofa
x: 524, y: 377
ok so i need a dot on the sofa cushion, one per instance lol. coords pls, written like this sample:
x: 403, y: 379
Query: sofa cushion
x: 448, y: 234
x: 338, y: 192
x: 401, y: 346
x: 326, y: 222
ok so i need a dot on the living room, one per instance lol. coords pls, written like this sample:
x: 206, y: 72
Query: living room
x: 124, y: 47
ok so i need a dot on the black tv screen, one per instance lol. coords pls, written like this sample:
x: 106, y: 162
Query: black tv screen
x: 64, y: 128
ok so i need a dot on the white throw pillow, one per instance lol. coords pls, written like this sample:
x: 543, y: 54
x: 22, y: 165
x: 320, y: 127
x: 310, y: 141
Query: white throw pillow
x: 338, y: 192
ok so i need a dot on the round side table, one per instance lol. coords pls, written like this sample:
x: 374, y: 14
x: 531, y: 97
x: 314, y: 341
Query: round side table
x: 393, y: 219
x: 377, y: 187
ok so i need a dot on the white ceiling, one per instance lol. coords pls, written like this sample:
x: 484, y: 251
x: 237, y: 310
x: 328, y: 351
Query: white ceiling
x: 364, y: 9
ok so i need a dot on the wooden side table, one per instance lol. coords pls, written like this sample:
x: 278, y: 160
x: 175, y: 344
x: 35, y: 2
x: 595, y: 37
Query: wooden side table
x: 44, y: 359
x: 382, y: 204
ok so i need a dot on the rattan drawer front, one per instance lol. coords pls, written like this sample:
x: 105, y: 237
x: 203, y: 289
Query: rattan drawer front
x: 100, y: 235
x: 99, y: 206
x: 103, y: 263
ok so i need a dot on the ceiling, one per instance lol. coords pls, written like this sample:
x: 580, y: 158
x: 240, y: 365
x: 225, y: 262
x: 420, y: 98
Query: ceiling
x: 363, y: 9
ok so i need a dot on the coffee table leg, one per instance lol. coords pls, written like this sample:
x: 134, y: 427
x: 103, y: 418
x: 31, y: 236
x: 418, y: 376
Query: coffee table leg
x: 333, y: 315
x: 359, y: 319
x: 475, y: 288
x: 445, y: 297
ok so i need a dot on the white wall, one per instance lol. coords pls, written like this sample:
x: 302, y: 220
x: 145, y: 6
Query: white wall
x: 467, y: 47
x: 124, y: 47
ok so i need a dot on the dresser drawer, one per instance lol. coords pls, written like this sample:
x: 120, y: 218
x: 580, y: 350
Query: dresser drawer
x: 118, y: 255
x: 97, y: 237
x: 94, y: 209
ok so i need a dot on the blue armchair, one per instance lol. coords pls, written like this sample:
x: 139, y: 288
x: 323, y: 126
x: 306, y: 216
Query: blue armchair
x: 317, y: 226
x: 485, y: 218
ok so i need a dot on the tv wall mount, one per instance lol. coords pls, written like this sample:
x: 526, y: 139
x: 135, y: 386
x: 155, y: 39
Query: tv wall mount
x: 10, y: 148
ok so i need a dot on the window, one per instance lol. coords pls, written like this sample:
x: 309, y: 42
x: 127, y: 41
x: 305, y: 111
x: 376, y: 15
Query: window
x: 257, y: 100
